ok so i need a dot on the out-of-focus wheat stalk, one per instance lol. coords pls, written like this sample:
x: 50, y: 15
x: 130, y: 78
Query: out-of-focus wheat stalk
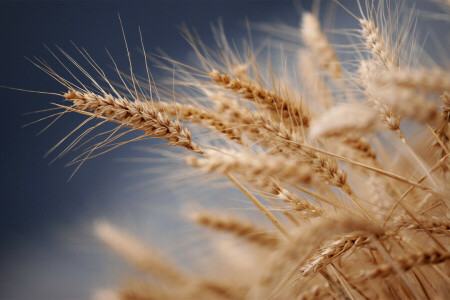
x: 352, y: 216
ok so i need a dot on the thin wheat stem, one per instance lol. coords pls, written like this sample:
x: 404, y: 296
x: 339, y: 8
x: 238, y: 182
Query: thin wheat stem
x: 259, y: 205
x: 432, y: 170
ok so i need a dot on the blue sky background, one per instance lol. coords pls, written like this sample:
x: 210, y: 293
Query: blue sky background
x: 46, y: 249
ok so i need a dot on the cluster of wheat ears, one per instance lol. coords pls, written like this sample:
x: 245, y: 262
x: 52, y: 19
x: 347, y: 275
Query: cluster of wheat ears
x: 359, y: 210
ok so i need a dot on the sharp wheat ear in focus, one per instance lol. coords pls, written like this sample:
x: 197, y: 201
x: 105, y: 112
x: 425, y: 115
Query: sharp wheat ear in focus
x: 348, y: 202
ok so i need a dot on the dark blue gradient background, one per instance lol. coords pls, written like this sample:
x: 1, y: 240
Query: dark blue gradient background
x: 45, y: 221
x: 46, y: 249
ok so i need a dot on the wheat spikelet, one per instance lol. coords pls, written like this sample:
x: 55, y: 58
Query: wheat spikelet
x: 400, y: 99
x: 362, y: 145
x: 231, y: 110
x: 328, y: 169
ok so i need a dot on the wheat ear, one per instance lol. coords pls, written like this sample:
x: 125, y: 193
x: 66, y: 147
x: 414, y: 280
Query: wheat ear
x: 319, y: 45
x: 237, y: 227
x: 376, y: 44
x: 343, y: 120
x: 406, y: 263
x: 324, y: 166
x: 198, y: 115
x: 432, y: 80
x: 135, y: 115
x: 432, y: 224
x: 333, y: 251
x: 138, y: 254
x: 390, y: 119
x: 296, y: 204
x: 253, y: 166
x: 363, y: 148
x: 258, y: 94
x: 291, y: 142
